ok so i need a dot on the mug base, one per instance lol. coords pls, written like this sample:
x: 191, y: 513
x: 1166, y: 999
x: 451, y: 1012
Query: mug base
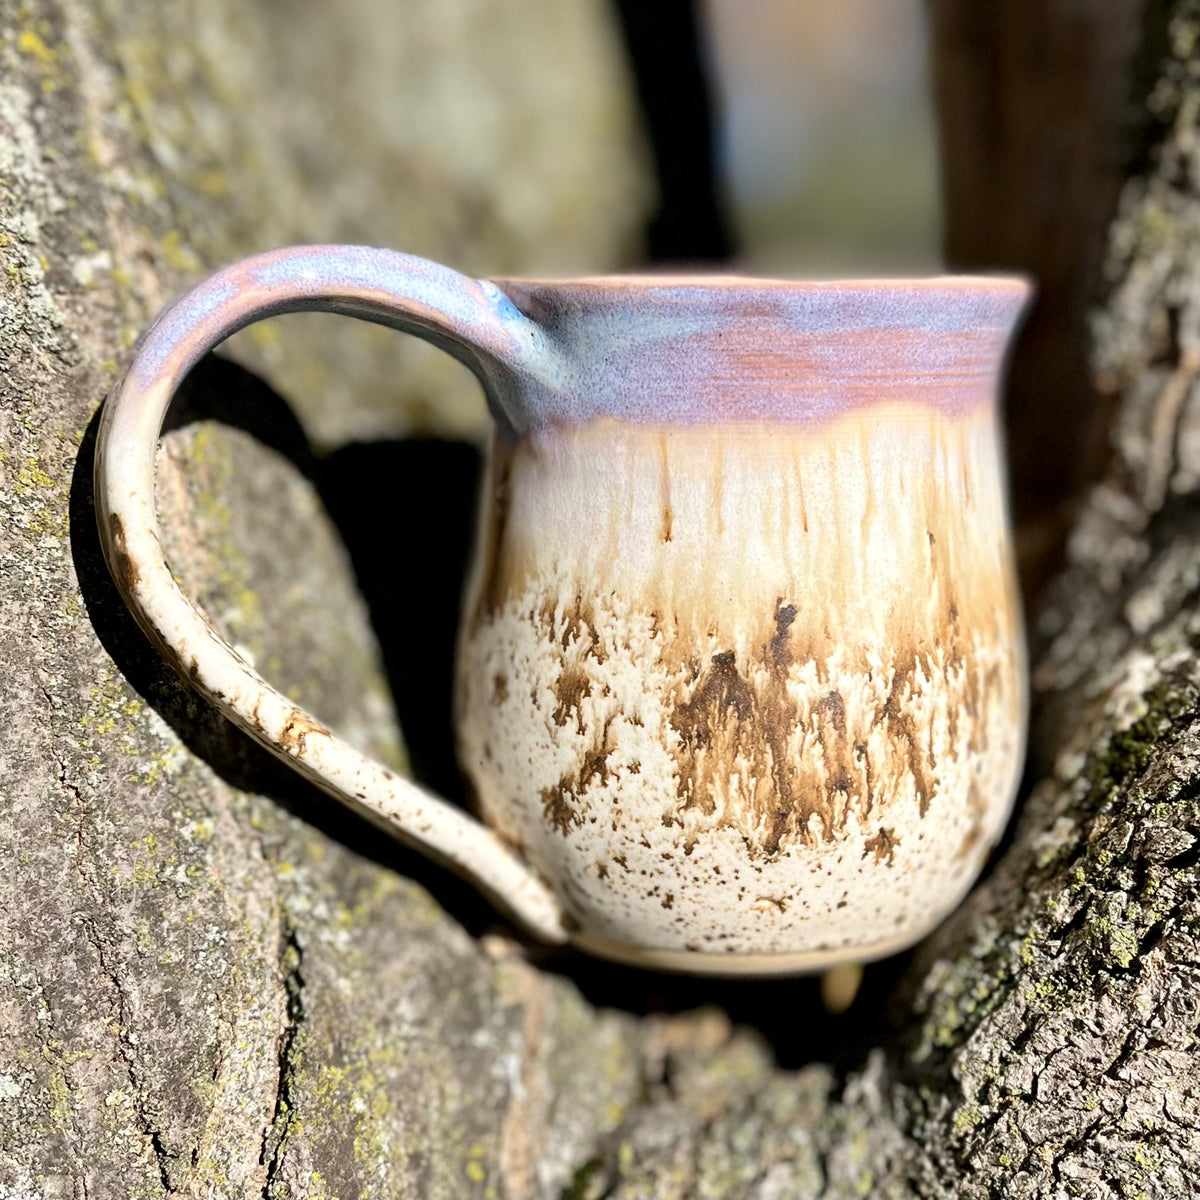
x: 696, y: 962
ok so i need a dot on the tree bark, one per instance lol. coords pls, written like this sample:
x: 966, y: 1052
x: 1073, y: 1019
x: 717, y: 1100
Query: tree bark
x: 212, y: 982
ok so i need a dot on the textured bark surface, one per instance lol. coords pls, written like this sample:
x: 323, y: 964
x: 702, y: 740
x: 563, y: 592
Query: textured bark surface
x: 213, y: 983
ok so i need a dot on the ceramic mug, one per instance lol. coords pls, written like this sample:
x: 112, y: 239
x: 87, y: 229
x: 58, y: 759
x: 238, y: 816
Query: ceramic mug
x: 740, y: 680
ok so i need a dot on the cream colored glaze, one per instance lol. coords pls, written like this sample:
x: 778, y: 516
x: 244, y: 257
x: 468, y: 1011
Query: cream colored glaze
x: 747, y: 690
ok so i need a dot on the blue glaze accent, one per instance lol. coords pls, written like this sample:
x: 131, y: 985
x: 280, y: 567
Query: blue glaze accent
x: 505, y: 309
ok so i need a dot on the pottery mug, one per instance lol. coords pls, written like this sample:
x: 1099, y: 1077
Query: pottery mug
x: 740, y: 681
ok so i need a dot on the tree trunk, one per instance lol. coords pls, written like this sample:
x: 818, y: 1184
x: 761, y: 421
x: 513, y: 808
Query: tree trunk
x: 212, y: 981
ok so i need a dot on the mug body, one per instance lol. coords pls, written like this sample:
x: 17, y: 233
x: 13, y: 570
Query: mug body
x: 741, y: 664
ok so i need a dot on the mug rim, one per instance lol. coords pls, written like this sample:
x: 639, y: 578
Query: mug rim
x: 684, y: 348
x: 1001, y: 283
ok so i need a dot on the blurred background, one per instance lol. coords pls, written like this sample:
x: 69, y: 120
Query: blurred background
x: 826, y: 147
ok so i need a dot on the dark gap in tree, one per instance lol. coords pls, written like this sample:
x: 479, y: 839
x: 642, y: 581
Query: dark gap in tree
x: 664, y: 42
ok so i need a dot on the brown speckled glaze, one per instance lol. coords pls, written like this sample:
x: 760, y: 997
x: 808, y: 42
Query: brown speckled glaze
x: 744, y: 689
x: 740, y: 685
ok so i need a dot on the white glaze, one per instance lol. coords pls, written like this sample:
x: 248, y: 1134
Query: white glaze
x: 748, y: 690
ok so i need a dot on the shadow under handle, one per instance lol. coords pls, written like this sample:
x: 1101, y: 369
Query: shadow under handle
x: 474, y: 321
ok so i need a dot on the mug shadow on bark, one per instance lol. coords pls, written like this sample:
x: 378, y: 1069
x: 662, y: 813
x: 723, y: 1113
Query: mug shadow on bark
x: 400, y: 477
x: 219, y: 390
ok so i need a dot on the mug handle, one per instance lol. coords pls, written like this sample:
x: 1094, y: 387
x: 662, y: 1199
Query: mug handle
x: 472, y: 320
